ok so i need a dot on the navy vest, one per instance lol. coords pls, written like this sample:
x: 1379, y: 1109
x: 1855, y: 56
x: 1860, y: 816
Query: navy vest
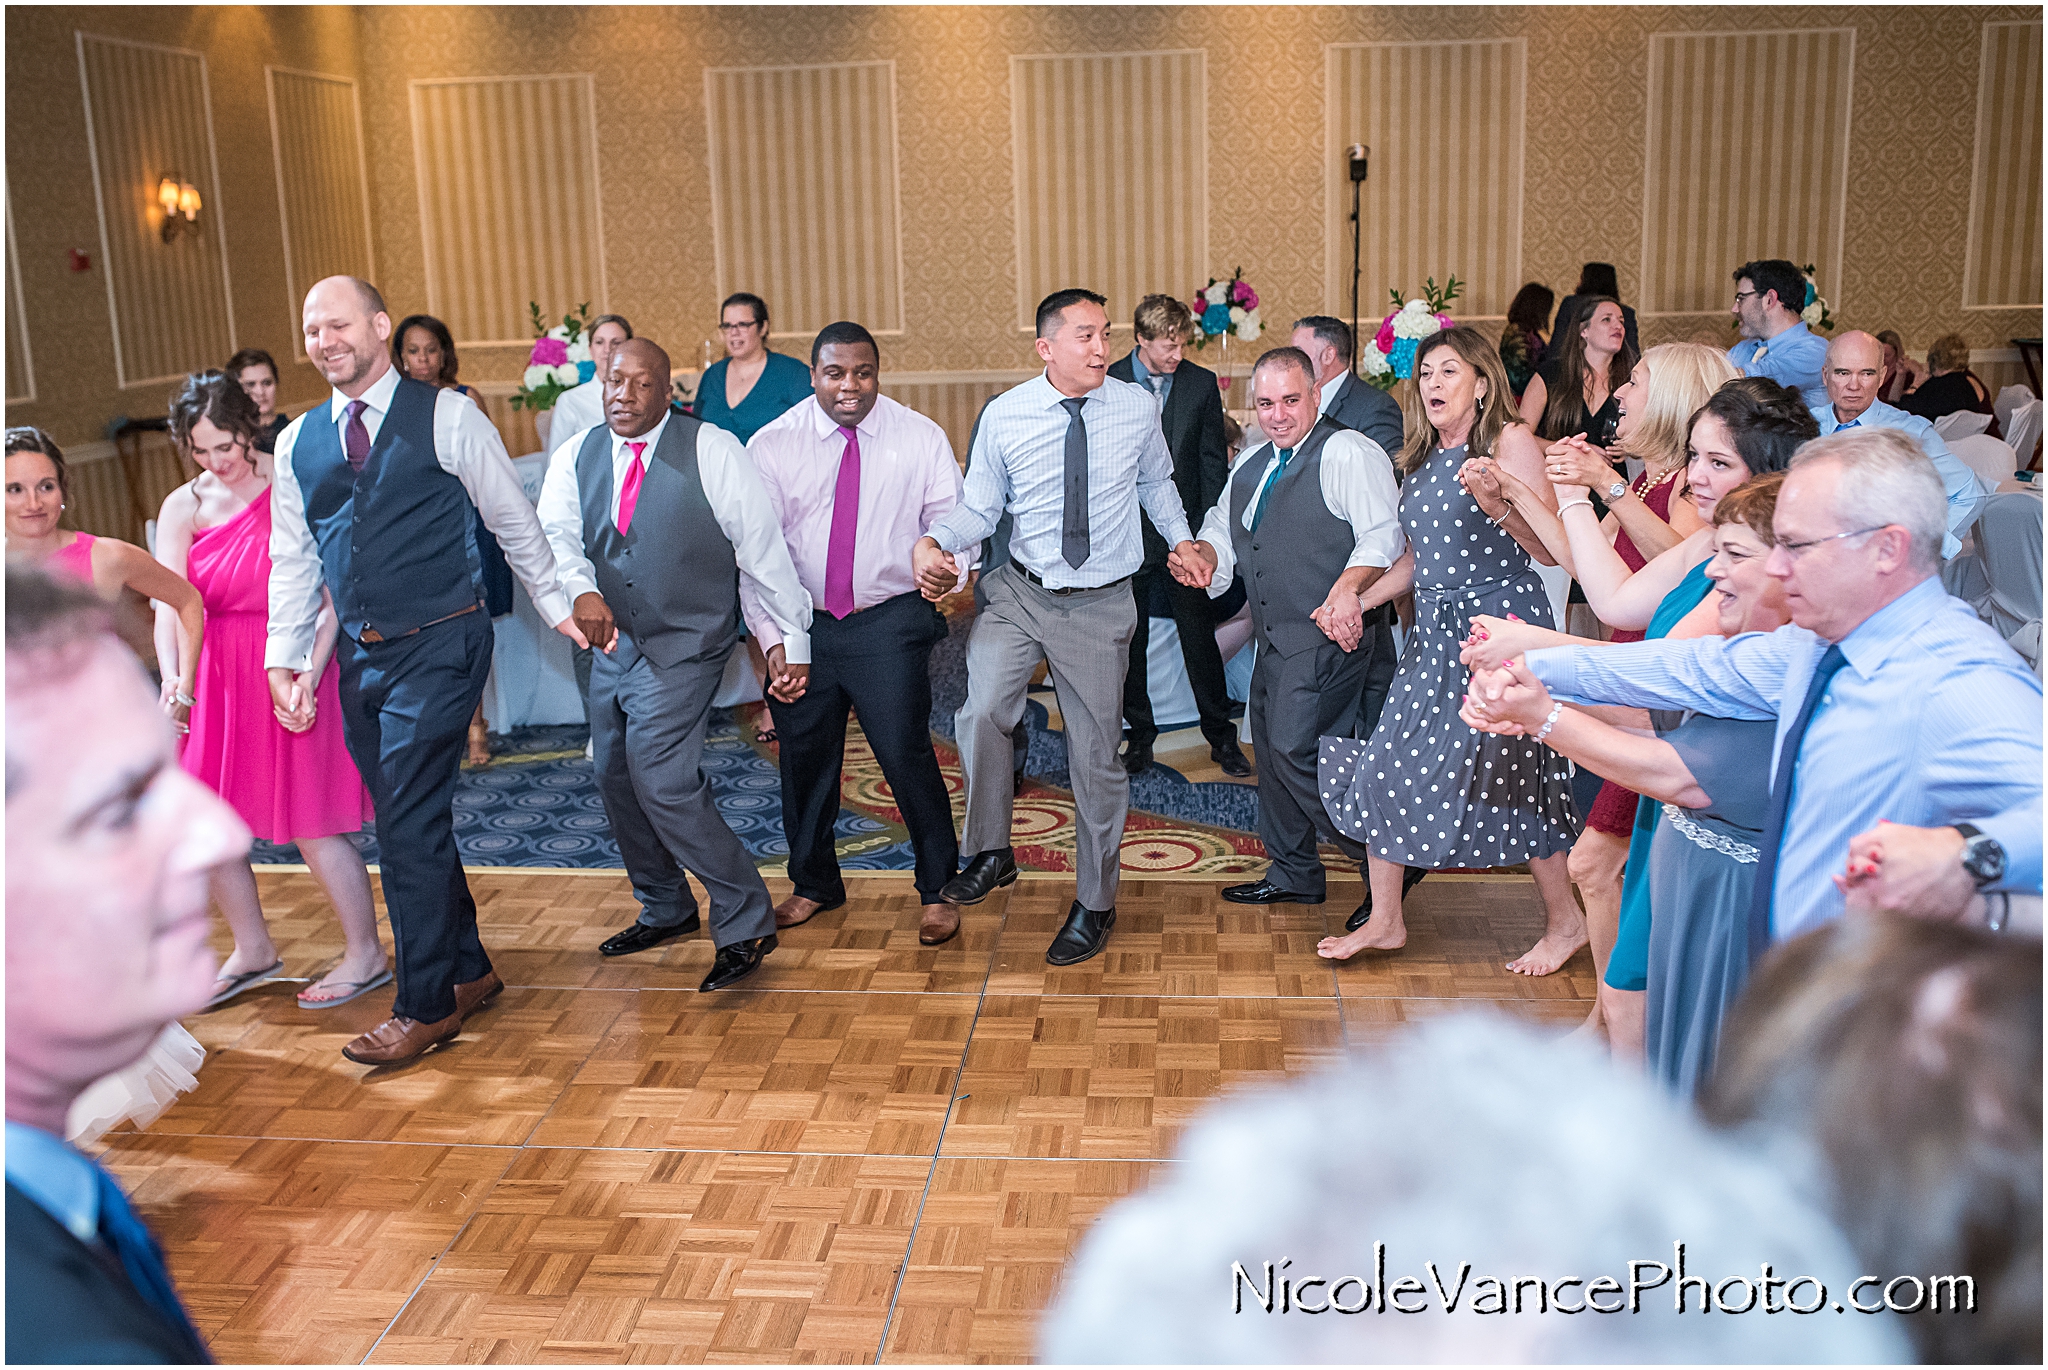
x: 397, y: 542
x: 1289, y: 565
x: 673, y: 582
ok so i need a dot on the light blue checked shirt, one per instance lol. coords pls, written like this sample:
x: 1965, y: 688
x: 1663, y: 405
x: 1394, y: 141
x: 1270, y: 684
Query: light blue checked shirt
x: 1933, y: 721
x: 1794, y: 358
x: 1019, y: 463
x: 1966, y: 494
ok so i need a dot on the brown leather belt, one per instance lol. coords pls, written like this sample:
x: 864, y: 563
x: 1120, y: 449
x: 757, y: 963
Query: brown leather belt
x: 372, y: 635
x: 1029, y: 575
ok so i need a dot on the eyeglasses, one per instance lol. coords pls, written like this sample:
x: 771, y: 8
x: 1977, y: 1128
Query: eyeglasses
x: 1742, y: 295
x: 739, y: 327
x: 1798, y: 549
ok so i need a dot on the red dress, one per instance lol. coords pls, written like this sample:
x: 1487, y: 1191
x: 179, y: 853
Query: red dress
x: 1614, y: 811
x: 284, y: 785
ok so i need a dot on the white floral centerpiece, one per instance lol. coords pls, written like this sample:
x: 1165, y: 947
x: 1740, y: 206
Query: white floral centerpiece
x: 1390, y: 356
x: 1814, y: 312
x: 1225, y: 310
x: 560, y: 359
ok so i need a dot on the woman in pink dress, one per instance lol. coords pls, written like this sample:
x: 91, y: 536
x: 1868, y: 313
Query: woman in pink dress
x: 289, y: 776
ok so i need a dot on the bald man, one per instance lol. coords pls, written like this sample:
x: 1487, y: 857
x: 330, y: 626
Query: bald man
x: 1853, y: 373
x: 664, y: 531
x: 374, y: 501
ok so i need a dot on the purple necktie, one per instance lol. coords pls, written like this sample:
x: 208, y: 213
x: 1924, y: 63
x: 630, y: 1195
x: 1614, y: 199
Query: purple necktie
x: 357, y: 436
x: 845, y: 515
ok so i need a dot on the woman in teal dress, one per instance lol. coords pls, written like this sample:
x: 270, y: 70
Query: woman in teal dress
x: 1750, y: 426
x: 752, y: 387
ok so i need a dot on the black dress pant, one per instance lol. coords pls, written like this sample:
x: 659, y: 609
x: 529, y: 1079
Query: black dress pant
x: 875, y: 662
x: 1195, y: 622
x: 405, y: 711
x: 1378, y: 641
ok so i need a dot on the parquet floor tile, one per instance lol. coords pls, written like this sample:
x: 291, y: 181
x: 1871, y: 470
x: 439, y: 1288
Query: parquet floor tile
x: 1462, y: 932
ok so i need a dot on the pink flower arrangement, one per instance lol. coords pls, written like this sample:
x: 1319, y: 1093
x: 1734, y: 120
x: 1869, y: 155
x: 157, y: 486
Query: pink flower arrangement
x: 548, y: 352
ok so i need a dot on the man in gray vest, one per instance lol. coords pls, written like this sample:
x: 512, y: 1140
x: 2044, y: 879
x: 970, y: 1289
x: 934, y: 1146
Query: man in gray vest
x: 1309, y: 520
x: 660, y: 523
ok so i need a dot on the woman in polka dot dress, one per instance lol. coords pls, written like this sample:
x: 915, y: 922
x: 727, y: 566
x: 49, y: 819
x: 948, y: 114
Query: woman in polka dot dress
x: 1425, y: 790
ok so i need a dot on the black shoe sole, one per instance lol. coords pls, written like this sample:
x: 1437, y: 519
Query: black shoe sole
x: 1009, y: 877
x: 1089, y: 954
x: 683, y: 930
x: 1288, y: 897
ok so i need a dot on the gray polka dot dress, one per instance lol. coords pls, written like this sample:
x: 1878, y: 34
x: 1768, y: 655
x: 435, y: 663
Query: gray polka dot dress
x: 1426, y: 789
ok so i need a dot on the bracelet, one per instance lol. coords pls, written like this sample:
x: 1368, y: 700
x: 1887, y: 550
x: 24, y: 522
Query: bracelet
x: 1994, y: 921
x: 1573, y: 504
x: 1550, y: 722
x: 180, y: 697
x: 1507, y: 507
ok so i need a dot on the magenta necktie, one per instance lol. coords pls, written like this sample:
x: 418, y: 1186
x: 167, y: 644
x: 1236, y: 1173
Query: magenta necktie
x: 629, y: 489
x: 357, y: 436
x: 845, y: 515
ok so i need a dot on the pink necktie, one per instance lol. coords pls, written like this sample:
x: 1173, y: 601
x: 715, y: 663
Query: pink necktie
x: 629, y: 491
x: 845, y: 515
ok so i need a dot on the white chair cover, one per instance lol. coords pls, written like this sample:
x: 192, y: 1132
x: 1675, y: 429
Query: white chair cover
x: 1961, y: 424
x: 2023, y: 429
x: 1991, y: 459
x: 2005, y: 402
x: 2009, y: 538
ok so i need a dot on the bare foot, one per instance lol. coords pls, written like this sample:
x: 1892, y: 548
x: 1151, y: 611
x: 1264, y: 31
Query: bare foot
x: 242, y: 960
x: 1593, y: 1031
x: 1547, y: 955
x: 344, y: 980
x: 795, y: 911
x: 1372, y: 936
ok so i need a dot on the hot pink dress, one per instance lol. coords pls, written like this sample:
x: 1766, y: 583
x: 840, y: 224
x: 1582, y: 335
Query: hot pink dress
x: 75, y: 560
x: 285, y: 785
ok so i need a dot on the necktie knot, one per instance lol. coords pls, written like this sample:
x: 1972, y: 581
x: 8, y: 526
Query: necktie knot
x: 1845, y: 427
x: 356, y: 408
x: 1073, y: 406
x: 850, y: 434
x: 636, y: 448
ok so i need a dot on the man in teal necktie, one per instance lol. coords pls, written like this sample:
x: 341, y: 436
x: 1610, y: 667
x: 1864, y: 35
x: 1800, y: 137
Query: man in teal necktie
x: 110, y: 845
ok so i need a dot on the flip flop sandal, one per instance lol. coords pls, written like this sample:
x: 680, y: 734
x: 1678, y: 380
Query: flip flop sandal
x: 246, y: 980
x: 764, y: 736
x: 356, y: 990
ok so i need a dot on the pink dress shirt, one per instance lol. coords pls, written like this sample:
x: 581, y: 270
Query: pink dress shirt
x: 908, y: 481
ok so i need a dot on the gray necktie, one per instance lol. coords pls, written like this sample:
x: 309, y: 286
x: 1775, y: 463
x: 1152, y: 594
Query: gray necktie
x: 1074, y: 519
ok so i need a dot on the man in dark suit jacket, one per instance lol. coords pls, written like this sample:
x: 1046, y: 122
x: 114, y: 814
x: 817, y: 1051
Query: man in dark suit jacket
x: 1191, y: 413
x: 1359, y: 406
x: 109, y: 847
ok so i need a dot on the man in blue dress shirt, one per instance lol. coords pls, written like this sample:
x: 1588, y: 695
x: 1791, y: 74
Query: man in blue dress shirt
x: 1775, y: 341
x: 1855, y: 365
x: 1893, y: 700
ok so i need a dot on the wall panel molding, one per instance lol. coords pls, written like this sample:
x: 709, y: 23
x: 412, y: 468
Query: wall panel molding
x: 1746, y: 156
x: 1444, y: 194
x: 21, y: 370
x: 323, y: 183
x: 2002, y: 258
x: 510, y: 209
x: 1110, y: 153
x: 148, y: 112
x: 805, y: 202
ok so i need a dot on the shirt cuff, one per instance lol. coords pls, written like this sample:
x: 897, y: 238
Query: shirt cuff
x: 574, y: 587
x: 2019, y: 833
x: 796, y: 647
x: 553, y: 607
x: 278, y: 657
x: 1555, y: 668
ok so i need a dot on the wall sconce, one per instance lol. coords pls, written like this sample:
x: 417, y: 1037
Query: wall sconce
x: 180, y: 203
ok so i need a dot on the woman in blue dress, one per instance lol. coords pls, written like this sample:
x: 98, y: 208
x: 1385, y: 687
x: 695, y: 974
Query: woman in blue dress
x: 752, y: 387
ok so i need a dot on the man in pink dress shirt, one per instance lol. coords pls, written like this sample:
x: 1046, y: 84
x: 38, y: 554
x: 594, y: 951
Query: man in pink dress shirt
x: 856, y: 479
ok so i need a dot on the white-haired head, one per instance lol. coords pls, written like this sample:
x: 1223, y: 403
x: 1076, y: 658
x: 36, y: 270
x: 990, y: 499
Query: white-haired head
x: 1475, y: 1144
x: 1885, y: 479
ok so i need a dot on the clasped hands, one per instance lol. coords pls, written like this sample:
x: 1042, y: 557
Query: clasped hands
x: 1509, y: 701
x: 1576, y: 466
x: 292, y: 697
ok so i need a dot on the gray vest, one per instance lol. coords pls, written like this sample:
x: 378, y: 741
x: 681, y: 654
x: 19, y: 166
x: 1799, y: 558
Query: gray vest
x: 1289, y: 565
x: 673, y: 583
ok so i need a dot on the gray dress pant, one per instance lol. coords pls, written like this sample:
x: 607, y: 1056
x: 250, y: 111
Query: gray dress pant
x: 1085, y: 639
x: 647, y: 729
x: 1295, y: 702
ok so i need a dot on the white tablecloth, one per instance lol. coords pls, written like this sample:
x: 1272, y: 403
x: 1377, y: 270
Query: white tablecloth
x: 533, y: 667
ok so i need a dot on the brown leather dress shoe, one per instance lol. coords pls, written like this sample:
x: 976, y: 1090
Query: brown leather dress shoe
x: 396, y: 1040
x: 939, y: 924
x: 474, y: 995
x: 796, y: 910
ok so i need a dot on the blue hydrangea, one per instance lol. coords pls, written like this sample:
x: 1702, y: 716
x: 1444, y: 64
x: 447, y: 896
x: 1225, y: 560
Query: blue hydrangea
x: 1216, y: 318
x: 1403, y: 356
x: 586, y: 369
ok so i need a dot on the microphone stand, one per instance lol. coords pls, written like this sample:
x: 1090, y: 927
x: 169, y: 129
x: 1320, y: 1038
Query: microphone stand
x: 1358, y: 154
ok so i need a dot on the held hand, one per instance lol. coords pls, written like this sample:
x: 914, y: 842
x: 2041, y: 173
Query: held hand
x: 934, y: 568
x: 1894, y: 868
x: 308, y: 687
x: 590, y: 623
x: 1482, y: 482
x: 786, y: 682
x: 1577, y: 462
x: 1192, y: 564
x: 291, y: 698
x: 1494, y: 641
x: 1511, y: 694
x: 1340, y: 619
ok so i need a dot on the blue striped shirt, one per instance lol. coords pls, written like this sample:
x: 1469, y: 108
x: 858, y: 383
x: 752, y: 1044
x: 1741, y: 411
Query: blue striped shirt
x: 1966, y: 494
x: 1019, y: 463
x: 1794, y: 358
x: 1934, y: 720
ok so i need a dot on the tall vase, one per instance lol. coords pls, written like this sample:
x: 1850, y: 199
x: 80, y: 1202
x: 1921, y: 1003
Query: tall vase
x: 543, y: 419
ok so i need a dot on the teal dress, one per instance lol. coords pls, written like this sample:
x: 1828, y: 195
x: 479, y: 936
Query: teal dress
x: 784, y: 384
x: 1628, y: 967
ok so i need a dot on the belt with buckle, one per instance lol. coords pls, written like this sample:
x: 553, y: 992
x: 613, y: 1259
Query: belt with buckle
x: 1021, y: 570
x: 372, y: 635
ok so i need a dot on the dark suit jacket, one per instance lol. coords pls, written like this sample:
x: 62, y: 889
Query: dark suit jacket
x: 1365, y: 408
x: 1193, y: 422
x: 66, y: 1305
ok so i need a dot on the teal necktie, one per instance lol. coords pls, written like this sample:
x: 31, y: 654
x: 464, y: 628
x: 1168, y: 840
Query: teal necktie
x: 1259, y: 514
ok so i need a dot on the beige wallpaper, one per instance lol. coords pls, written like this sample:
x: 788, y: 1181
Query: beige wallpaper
x: 323, y: 184
x: 2004, y: 262
x: 21, y: 371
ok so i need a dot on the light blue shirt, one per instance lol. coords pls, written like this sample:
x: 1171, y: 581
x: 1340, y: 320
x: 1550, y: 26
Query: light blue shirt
x: 1145, y: 378
x: 1966, y: 494
x: 62, y: 1182
x: 1933, y: 721
x: 1795, y: 358
x: 1019, y: 463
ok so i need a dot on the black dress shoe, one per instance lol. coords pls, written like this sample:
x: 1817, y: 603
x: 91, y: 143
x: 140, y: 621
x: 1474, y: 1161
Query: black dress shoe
x: 738, y: 961
x: 1082, y: 937
x: 640, y: 937
x: 1411, y: 876
x: 1231, y: 758
x: 1137, y: 759
x: 1264, y: 892
x: 983, y: 876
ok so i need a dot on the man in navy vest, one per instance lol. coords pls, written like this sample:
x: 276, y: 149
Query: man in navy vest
x: 663, y: 530
x: 373, y: 500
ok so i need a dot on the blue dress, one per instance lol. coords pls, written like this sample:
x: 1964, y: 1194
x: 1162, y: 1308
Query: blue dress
x: 784, y: 384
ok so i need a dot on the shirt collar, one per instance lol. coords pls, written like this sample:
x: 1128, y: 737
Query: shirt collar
x: 827, y: 427
x: 1050, y: 396
x: 1329, y: 391
x: 377, y: 397
x: 652, y: 437
x: 1871, y: 643
x: 1139, y: 374
x: 60, y: 1180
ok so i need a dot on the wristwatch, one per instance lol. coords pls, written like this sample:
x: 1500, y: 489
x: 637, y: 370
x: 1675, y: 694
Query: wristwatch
x: 1983, y: 858
x: 1616, y: 490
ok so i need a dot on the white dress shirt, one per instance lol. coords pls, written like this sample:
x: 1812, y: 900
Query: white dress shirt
x: 774, y: 603
x: 1358, y: 487
x: 467, y: 446
x: 577, y: 410
x: 1328, y: 393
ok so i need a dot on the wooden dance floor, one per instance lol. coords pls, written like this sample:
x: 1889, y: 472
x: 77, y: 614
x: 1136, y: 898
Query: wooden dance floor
x: 873, y: 1151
